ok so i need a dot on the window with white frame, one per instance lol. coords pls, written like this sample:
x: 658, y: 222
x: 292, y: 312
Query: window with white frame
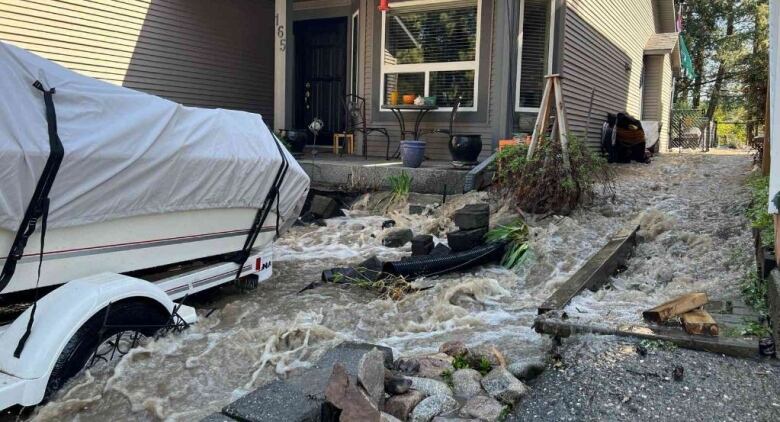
x: 431, y: 48
x: 354, y: 54
x: 534, y: 58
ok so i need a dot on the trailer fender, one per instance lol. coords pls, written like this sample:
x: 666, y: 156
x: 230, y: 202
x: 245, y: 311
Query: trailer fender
x: 60, y: 314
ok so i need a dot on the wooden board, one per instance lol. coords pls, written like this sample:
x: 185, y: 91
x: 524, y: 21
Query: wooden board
x: 596, y: 271
x: 698, y: 322
x: 675, y: 307
x: 736, y: 347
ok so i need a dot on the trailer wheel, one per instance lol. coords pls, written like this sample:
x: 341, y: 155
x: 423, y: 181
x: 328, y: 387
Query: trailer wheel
x: 133, y: 315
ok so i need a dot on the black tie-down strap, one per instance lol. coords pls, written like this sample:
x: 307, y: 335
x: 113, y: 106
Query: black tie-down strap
x: 37, y: 209
x: 241, y: 256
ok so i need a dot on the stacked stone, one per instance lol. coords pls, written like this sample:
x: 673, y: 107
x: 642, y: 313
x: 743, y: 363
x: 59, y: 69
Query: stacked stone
x: 472, y: 221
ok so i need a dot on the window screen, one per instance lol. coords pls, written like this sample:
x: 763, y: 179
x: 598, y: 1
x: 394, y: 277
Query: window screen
x: 533, y: 60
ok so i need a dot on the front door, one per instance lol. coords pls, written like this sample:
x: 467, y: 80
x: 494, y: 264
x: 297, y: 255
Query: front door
x: 320, y: 74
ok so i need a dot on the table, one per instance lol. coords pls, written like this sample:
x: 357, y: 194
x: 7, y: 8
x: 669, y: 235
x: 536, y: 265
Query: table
x: 398, y: 110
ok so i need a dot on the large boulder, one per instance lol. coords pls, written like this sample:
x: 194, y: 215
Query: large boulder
x: 463, y: 240
x: 371, y: 375
x: 323, y: 207
x: 397, y: 237
x: 346, y: 396
x: 483, y: 408
x: 401, y: 405
x: 431, y: 366
x: 454, y: 348
x: 430, y: 387
x: 396, y: 384
x: 472, y: 216
x: 433, y: 406
x: 503, y: 386
x: 465, y: 383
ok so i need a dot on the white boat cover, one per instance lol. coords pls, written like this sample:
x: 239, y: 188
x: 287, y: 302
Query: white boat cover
x: 128, y: 153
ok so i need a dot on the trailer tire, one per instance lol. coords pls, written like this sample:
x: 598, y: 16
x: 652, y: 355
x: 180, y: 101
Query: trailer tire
x: 141, y: 313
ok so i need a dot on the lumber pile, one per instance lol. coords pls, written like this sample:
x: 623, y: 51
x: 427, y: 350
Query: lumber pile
x: 694, y: 319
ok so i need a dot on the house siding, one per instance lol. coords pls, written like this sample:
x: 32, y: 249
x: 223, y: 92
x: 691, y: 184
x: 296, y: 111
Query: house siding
x: 603, y: 51
x: 195, y: 52
x: 667, y: 84
x: 657, y: 94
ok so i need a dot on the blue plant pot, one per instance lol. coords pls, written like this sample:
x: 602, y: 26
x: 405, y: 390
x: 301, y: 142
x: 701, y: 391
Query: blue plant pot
x: 412, y: 153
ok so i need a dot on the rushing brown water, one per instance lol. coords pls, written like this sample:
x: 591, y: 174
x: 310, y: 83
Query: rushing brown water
x: 252, y: 338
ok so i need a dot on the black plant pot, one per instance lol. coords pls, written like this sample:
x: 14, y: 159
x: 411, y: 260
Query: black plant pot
x: 465, y: 148
x: 297, y: 140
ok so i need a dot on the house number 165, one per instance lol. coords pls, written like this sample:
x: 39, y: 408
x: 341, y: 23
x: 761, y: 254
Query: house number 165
x: 280, y: 34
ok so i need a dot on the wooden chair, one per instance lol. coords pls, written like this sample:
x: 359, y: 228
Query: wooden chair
x: 355, y: 121
x: 349, y: 143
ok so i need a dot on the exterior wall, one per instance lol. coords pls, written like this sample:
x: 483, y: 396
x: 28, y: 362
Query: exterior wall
x: 656, y: 98
x: 196, y: 52
x: 603, y: 50
x: 667, y: 85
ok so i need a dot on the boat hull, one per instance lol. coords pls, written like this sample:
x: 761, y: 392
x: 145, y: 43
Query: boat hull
x: 130, y: 244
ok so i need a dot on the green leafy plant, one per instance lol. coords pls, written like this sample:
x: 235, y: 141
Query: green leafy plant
x: 757, y: 212
x: 460, y: 362
x: 400, y: 186
x: 484, y: 366
x: 754, y: 291
x: 542, y: 184
x: 755, y: 328
x: 505, y: 413
x: 446, y: 375
x: 516, y: 236
x: 658, y: 345
x: 467, y: 361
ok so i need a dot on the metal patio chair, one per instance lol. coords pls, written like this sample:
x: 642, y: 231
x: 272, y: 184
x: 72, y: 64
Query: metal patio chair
x: 355, y: 121
x: 450, y: 132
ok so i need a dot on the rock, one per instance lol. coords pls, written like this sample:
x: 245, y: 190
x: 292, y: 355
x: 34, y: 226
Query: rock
x: 408, y: 366
x: 463, y: 240
x: 371, y: 375
x: 388, y: 224
x: 440, y: 250
x: 450, y: 419
x: 386, y: 417
x: 433, y: 406
x: 416, y: 209
x: 503, y: 386
x: 343, y: 394
x: 401, y: 405
x: 422, y: 244
x: 397, y: 238
x: 395, y: 384
x: 472, y: 216
x: 465, y: 383
x: 454, y: 348
x: 370, y: 269
x: 489, y: 352
x: 323, y: 207
x: 527, y: 369
x: 430, y: 387
x: 483, y: 408
x: 431, y: 366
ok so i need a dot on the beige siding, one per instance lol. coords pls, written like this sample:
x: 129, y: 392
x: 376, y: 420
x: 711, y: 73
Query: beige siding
x: 603, y: 51
x: 667, y: 83
x: 196, y: 52
x: 651, y: 97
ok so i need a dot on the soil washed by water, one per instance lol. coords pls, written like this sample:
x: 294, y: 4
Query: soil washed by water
x: 694, y: 237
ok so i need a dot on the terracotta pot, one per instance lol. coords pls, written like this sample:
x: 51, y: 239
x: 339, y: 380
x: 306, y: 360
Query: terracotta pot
x: 409, y: 99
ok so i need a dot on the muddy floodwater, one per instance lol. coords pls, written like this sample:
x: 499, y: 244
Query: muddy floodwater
x: 695, y: 237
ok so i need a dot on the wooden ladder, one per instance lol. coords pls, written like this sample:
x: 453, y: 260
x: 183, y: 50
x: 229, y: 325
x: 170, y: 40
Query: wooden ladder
x: 552, y: 89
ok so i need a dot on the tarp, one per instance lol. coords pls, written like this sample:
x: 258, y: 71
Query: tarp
x: 128, y: 153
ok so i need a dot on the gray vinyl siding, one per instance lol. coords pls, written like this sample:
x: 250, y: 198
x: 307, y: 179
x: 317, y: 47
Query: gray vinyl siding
x: 195, y: 52
x: 667, y: 85
x: 603, y: 49
x: 651, y: 99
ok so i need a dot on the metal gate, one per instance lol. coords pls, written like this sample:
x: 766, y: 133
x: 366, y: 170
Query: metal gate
x: 691, y: 130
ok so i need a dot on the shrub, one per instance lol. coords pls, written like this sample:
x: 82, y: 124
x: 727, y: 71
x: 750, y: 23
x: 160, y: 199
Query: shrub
x: 400, y: 185
x: 516, y: 236
x: 541, y: 184
x: 758, y: 212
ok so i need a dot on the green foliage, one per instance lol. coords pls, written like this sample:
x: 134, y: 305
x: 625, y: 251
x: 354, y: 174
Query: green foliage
x: 446, y: 375
x: 460, y: 362
x: 505, y: 413
x: 467, y: 361
x: 756, y: 329
x: 542, y: 184
x: 754, y: 291
x: 516, y: 234
x: 758, y: 213
x: 658, y: 345
x: 400, y: 185
x: 484, y: 366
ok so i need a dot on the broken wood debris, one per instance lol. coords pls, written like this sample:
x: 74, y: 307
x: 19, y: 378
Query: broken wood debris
x: 675, y: 307
x: 698, y: 322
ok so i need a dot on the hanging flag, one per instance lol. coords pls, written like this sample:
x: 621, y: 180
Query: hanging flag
x: 685, y: 59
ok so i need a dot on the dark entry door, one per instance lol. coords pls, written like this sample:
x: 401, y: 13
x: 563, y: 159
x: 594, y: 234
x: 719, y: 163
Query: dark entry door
x: 320, y: 74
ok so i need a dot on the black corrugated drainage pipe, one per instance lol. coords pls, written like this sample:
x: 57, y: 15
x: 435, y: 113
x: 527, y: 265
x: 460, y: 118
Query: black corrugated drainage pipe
x: 429, y: 266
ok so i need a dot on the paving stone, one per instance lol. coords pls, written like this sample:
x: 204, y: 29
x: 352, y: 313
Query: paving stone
x: 422, y: 244
x: 397, y: 238
x: 472, y: 216
x: 463, y: 240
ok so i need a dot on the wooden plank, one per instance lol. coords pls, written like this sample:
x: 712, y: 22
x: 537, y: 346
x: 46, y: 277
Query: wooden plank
x: 676, y: 306
x: 541, y: 118
x: 737, y: 347
x: 595, y: 272
x: 698, y: 322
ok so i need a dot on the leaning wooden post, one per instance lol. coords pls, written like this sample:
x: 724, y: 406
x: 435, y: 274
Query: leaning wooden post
x: 563, y: 130
x: 541, y: 118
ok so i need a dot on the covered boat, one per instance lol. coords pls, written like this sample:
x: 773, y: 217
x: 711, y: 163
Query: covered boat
x: 118, y: 180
